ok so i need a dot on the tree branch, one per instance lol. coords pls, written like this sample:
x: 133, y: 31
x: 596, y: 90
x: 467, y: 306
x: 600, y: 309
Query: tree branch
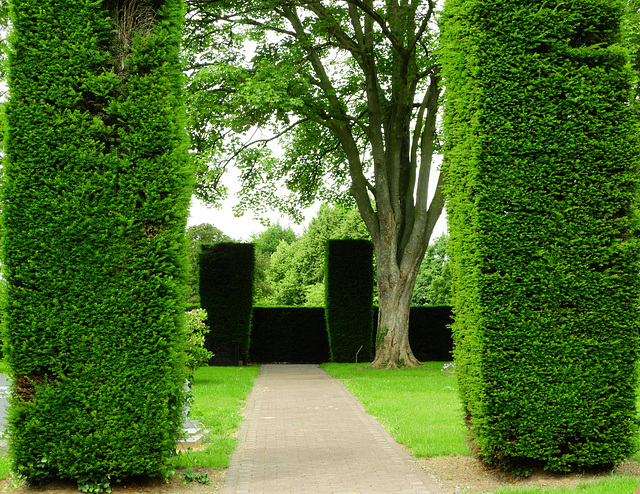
x: 337, y: 31
x: 423, y: 27
x: 338, y: 126
x: 356, y: 24
x: 252, y: 22
x: 426, y: 145
x: 424, y: 219
x: 368, y: 9
x: 263, y: 142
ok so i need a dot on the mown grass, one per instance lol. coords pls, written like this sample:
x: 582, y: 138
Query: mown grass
x: 219, y: 398
x: 614, y: 485
x: 421, y: 409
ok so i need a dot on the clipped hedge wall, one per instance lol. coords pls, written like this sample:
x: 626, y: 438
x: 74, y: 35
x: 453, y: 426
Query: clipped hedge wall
x: 542, y: 160
x: 94, y: 197
x: 430, y: 333
x: 289, y: 334
x: 226, y: 293
x: 349, y: 298
x: 299, y: 334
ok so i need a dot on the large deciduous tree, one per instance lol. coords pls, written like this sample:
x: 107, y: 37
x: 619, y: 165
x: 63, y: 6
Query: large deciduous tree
x: 351, y: 89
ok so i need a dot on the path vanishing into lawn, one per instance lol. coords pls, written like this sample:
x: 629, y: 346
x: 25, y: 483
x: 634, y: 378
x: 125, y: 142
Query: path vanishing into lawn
x: 304, y: 432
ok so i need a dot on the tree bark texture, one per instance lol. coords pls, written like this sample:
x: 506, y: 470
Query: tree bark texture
x: 392, y: 339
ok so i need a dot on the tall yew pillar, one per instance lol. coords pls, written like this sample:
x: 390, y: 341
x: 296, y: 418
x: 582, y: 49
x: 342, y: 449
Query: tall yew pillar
x: 542, y: 177
x: 94, y: 199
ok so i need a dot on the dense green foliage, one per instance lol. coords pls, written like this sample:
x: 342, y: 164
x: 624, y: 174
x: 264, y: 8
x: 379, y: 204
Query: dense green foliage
x: 349, y: 299
x: 295, y: 274
x: 631, y: 40
x: 226, y: 293
x: 542, y: 160
x: 289, y: 334
x: 196, y: 330
x: 433, y: 284
x: 197, y: 235
x: 94, y: 199
x: 266, y: 243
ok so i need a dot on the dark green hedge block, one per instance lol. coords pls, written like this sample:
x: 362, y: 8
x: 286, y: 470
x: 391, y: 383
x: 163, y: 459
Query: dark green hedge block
x: 289, y: 334
x: 226, y: 293
x: 349, y: 299
x: 541, y: 165
x: 299, y: 334
x: 94, y: 197
x: 430, y: 333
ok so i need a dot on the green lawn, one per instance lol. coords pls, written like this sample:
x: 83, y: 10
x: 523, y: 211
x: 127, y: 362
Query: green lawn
x: 219, y: 398
x: 614, y: 485
x: 421, y: 409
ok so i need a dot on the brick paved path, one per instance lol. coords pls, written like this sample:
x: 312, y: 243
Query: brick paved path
x: 304, y: 432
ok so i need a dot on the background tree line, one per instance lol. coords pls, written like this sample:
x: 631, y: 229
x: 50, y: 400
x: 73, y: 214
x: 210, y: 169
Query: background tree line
x: 289, y: 268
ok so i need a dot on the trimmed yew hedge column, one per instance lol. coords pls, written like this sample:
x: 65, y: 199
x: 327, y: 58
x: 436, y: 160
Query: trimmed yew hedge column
x: 94, y: 198
x: 348, y: 281
x: 542, y: 174
x: 226, y: 293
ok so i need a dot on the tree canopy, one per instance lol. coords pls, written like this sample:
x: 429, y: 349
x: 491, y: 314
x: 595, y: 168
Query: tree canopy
x: 295, y: 271
x: 433, y: 284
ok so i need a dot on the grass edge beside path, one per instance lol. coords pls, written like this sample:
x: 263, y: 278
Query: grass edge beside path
x: 421, y: 409
x: 397, y: 399
x: 220, y: 395
x: 219, y: 398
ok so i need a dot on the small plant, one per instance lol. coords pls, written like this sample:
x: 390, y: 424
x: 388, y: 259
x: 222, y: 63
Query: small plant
x: 94, y: 485
x: 197, y: 354
x: 189, y: 476
x: 449, y: 367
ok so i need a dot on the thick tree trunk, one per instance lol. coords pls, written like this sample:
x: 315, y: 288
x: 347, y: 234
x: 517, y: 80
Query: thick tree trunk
x: 395, y: 289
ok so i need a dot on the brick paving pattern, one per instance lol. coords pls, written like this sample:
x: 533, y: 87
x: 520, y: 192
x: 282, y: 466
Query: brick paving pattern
x: 304, y: 432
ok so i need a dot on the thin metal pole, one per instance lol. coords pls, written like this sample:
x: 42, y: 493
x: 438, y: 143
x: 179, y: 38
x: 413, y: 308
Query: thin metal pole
x: 357, y: 359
